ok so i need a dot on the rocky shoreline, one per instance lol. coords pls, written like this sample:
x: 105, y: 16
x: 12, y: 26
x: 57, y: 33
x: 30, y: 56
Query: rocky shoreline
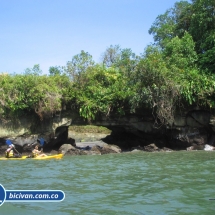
x: 99, y: 147
x: 69, y: 134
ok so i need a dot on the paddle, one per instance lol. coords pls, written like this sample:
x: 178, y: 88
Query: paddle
x: 17, y: 152
x: 42, y: 142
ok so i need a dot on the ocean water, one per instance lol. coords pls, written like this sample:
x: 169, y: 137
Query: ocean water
x: 128, y: 183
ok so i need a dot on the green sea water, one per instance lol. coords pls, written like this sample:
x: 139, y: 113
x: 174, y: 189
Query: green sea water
x: 128, y: 183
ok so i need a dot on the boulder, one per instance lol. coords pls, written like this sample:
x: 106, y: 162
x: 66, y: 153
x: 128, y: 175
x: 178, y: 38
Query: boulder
x: 151, y: 148
x: 165, y: 149
x: 97, y: 149
x: 92, y: 152
x: 75, y: 151
x: 195, y: 147
x: 107, y: 149
x: 65, y: 148
x: 209, y: 148
x: 114, y: 148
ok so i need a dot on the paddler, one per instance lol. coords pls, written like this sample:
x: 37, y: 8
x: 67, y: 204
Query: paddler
x: 9, y: 153
x: 37, y: 153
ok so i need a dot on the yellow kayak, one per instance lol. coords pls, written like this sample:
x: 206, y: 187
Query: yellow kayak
x: 58, y: 156
x: 22, y: 158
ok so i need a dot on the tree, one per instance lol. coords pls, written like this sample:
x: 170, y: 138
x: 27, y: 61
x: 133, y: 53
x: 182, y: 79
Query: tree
x: 202, y: 28
x: 111, y: 55
x: 206, y: 59
x: 123, y: 59
x: 79, y: 64
x: 202, y: 23
x: 127, y: 60
x: 104, y: 91
x: 165, y: 26
x: 34, y: 71
x: 180, y: 53
x: 197, y: 19
x: 55, y: 70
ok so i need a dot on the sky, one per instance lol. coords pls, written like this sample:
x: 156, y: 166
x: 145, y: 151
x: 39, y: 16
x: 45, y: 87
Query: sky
x: 51, y: 32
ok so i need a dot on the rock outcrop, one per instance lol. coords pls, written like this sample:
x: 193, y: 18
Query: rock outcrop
x: 91, y: 148
x: 191, y: 130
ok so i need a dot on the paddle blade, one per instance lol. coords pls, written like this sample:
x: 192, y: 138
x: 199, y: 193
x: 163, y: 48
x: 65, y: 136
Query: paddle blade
x: 8, y: 142
x: 41, y: 141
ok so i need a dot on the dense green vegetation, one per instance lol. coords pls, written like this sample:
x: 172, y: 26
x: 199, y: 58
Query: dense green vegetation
x: 177, y: 71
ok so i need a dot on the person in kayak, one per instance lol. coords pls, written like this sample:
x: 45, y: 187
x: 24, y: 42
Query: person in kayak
x: 37, y: 153
x: 9, y: 153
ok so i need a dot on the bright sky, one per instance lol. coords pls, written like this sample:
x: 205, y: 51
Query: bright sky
x: 51, y: 32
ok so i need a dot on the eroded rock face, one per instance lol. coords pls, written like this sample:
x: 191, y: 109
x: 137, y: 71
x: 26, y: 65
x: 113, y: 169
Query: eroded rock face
x: 25, y: 131
x: 192, y: 129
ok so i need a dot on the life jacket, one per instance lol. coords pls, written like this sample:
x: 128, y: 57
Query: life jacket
x: 35, y: 153
x: 9, y: 153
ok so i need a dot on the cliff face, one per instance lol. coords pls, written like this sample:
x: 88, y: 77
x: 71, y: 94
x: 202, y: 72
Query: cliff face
x: 192, y: 128
x: 25, y: 130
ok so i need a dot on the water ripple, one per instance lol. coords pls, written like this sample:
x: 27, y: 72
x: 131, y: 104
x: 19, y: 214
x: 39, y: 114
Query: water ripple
x: 130, y: 183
